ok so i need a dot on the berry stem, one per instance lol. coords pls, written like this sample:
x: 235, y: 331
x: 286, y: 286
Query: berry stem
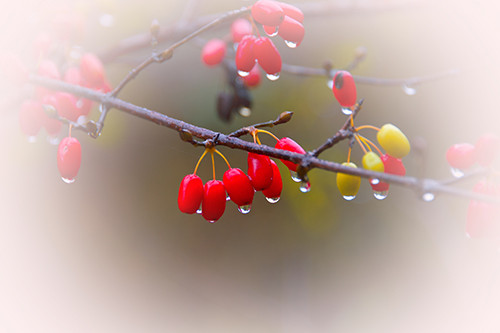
x: 366, y: 140
x: 349, y: 154
x: 356, y: 136
x: 223, y: 157
x: 199, y: 161
x: 269, y: 133
x: 69, y: 131
x: 367, y: 126
x: 213, y: 162
x: 254, y: 26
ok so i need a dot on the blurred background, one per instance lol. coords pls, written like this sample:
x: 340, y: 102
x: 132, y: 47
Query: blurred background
x: 112, y: 252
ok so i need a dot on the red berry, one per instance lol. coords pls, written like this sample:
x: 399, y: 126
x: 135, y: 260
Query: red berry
x: 483, y: 218
x: 270, y: 31
x: 245, y: 58
x: 260, y: 171
x: 213, y: 52
x: 487, y: 148
x: 31, y: 117
x: 190, y: 194
x: 92, y: 69
x: 393, y: 166
x: 461, y: 156
x: 69, y: 158
x: 239, y: 29
x: 52, y: 125
x: 67, y: 106
x: 267, y: 55
x: 344, y: 88
x: 290, y: 145
x: 267, y: 12
x: 238, y: 186
x: 292, y: 11
x: 291, y: 31
x: 253, y: 77
x: 273, y: 192
x: 214, y: 200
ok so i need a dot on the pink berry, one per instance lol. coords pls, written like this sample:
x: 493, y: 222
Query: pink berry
x: 392, y: 165
x: 267, y: 12
x: 239, y: 29
x: 190, y: 194
x: 67, y: 106
x: 461, y: 156
x: 69, y: 158
x: 291, y: 31
x: 344, y: 88
x: 245, y: 58
x: 213, y: 52
x: 92, y: 69
x: 267, y: 55
x: 253, y: 77
x: 292, y: 11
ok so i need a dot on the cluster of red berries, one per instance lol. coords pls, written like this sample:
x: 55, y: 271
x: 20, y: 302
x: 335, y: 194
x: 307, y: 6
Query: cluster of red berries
x: 462, y: 156
x: 277, y: 18
x: 263, y: 175
x: 45, y: 108
x: 396, y: 146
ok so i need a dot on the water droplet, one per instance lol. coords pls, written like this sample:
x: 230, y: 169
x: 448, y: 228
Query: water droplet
x: 31, y: 139
x: 428, y: 197
x: 273, y: 200
x: 245, y: 209
x: 211, y: 221
x: 243, y: 73
x: 305, y: 187
x: 347, y: 111
x: 53, y: 140
x: 295, y: 176
x: 380, y: 195
x: 409, y: 90
x: 79, y: 103
x: 82, y: 120
x: 245, y: 112
x: 198, y: 211
x: 329, y: 84
x: 68, y: 181
x: 457, y: 173
x: 227, y: 197
x: 273, y: 77
x: 291, y: 45
x: 374, y: 181
x: 273, y: 34
x: 106, y: 20
x: 349, y: 197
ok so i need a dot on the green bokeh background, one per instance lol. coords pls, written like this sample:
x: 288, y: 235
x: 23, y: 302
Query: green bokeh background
x: 112, y: 253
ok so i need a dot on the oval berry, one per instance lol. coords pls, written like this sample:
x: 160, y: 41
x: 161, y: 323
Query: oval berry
x: 348, y: 185
x: 92, y: 69
x: 289, y: 145
x: 487, y: 148
x: 393, y: 140
x: 273, y: 192
x: 253, y: 77
x: 213, y: 52
x: 393, y: 166
x: 292, y: 11
x: 291, y: 31
x: 267, y: 55
x: 344, y: 89
x: 267, y: 12
x: 31, y: 117
x: 69, y: 158
x: 190, y: 194
x: 67, y: 106
x: 238, y: 187
x: 240, y: 28
x: 260, y: 171
x: 245, y: 58
x: 461, y: 156
x: 371, y: 161
x: 214, y: 200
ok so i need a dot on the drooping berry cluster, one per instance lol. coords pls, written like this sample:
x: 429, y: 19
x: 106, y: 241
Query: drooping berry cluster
x: 262, y: 175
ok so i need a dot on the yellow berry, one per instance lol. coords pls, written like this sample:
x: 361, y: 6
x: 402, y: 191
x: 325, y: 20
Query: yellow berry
x: 393, y: 141
x: 371, y: 161
x: 348, y: 185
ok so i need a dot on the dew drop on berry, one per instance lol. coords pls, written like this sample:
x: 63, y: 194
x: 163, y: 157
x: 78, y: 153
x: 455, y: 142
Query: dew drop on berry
x: 273, y: 200
x: 295, y: 176
x: 273, y: 77
x: 380, y: 195
x: 347, y: 111
x: 31, y: 139
x: 227, y: 197
x: 245, y: 112
x: 53, y: 140
x: 374, y: 181
x: 409, y: 90
x: 291, y: 45
x: 349, y: 197
x: 305, y: 187
x: 245, y: 209
x: 457, y: 173
x: 211, y: 221
x: 198, y: 211
x: 329, y: 84
x: 428, y: 197
x: 243, y: 73
x: 67, y: 180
